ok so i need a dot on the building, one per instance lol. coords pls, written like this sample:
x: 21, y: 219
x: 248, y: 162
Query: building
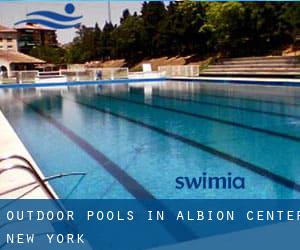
x: 8, y: 39
x: 10, y: 58
x: 34, y: 35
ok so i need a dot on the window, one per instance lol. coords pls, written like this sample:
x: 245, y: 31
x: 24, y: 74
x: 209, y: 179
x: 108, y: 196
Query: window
x: 1, y: 39
x: 9, y: 39
x: 9, y: 46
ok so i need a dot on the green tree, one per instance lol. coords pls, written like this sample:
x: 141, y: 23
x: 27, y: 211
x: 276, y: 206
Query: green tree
x: 267, y: 30
x: 184, y: 21
x: 125, y: 15
x: 152, y: 14
x: 291, y: 15
x: 130, y: 38
x: 49, y: 54
x: 189, y: 27
x: 224, y: 24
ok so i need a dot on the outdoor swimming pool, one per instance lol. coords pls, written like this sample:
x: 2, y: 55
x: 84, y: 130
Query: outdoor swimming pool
x: 134, y: 140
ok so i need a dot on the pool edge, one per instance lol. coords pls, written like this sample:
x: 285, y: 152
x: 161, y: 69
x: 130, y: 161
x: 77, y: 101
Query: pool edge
x: 13, y: 145
x: 285, y: 82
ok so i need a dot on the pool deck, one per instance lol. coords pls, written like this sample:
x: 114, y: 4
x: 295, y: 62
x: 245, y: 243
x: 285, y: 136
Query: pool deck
x: 244, y: 80
x: 12, y: 145
x: 267, y: 81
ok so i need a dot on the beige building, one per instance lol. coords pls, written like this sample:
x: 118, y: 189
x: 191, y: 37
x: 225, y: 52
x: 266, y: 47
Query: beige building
x: 10, y: 58
x: 8, y: 39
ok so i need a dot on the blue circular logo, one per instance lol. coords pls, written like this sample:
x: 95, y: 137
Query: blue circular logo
x: 69, y: 8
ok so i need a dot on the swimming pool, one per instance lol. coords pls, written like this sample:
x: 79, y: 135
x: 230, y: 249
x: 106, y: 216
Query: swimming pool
x: 134, y: 140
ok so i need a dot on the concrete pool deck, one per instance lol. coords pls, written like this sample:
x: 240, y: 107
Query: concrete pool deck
x: 244, y: 80
x: 264, y: 81
x: 12, y: 145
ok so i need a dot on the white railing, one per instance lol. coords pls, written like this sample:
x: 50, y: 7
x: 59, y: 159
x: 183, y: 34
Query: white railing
x: 69, y: 75
x: 94, y: 74
x: 23, y: 76
x: 180, y: 70
x: 143, y: 75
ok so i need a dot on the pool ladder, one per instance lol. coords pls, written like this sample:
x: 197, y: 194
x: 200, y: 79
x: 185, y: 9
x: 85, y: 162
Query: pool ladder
x: 27, y: 166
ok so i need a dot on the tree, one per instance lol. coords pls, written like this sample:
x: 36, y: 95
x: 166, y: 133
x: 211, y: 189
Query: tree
x: 189, y: 27
x: 130, y: 38
x: 97, y: 41
x: 107, y: 42
x: 55, y: 55
x: 152, y: 14
x: 267, y: 30
x: 184, y: 22
x: 291, y: 15
x: 125, y: 15
x: 224, y: 23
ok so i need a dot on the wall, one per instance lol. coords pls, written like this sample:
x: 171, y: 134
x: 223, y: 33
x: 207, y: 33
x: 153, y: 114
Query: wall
x: 8, y: 41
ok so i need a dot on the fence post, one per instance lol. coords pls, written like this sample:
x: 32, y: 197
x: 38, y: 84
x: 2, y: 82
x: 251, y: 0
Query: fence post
x: 19, y: 77
x: 111, y: 74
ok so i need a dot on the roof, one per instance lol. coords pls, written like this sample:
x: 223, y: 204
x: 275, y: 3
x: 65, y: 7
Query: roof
x: 17, y: 57
x: 33, y: 26
x: 6, y: 29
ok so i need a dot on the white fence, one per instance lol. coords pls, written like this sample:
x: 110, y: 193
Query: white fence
x: 180, y: 70
x: 95, y: 74
x: 21, y: 77
x: 68, y: 75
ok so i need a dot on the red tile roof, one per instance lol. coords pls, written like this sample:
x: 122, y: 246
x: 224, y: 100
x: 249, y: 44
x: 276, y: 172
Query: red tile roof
x: 17, y: 57
x: 6, y: 29
x: 33, y: 26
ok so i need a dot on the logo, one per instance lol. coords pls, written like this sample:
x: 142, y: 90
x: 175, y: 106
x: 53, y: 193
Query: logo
x: 210, y: 182
x: 54, y: 20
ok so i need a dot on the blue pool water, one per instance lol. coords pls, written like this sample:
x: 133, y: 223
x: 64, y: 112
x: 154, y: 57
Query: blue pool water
x: 134, y: 140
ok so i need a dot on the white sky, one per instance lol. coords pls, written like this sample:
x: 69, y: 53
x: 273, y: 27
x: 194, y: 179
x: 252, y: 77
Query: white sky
x: 92, y: 11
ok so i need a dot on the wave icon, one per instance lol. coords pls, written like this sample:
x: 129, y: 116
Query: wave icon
x: 56, y: 20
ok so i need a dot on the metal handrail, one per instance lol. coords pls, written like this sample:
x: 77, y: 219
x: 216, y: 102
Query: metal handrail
x: 31, y: 169
x: 47, y: 179
x: 19, y: 157
x: 41, y: 182
x: 13, y: 167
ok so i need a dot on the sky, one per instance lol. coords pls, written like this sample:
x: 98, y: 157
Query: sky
x: 92, y: 12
